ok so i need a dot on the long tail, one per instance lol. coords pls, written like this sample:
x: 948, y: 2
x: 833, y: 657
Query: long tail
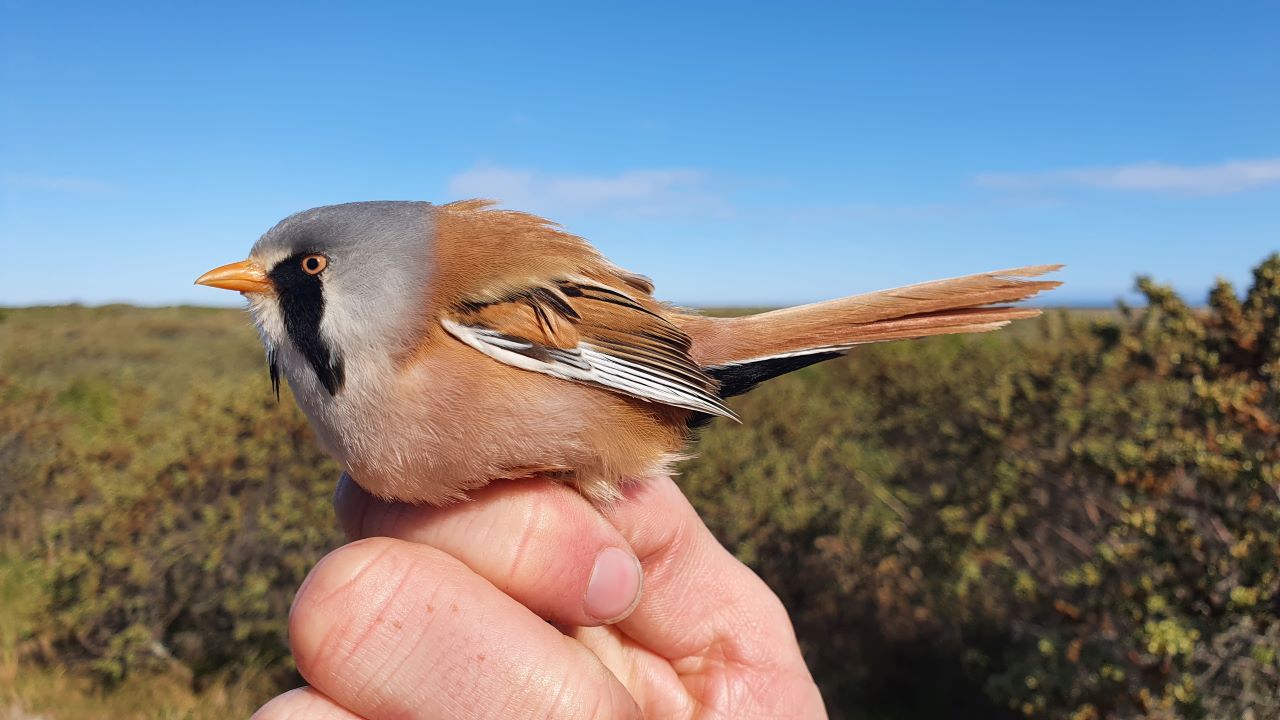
x: 742, y: 352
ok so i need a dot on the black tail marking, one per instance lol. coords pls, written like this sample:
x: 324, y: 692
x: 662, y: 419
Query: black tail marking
x: 739, y: 378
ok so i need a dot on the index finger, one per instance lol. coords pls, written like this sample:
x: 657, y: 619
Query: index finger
x: 392, y: 629
x: 536, y: 540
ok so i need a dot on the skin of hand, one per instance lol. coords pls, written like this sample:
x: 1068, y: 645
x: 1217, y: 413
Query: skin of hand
x: 529, y: 602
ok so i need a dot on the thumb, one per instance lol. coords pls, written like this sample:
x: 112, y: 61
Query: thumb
x: 699, y: 598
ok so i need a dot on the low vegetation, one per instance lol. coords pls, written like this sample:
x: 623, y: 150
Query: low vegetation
x: 1079, y: 518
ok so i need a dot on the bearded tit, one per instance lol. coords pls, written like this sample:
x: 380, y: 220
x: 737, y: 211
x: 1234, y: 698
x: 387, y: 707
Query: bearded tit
x: 437, y: 348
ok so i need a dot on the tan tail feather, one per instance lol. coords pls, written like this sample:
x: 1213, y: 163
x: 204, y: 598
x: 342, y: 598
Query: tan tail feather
x: 942, y: 307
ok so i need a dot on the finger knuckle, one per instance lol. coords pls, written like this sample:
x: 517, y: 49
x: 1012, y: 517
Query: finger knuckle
x: 541, y: 516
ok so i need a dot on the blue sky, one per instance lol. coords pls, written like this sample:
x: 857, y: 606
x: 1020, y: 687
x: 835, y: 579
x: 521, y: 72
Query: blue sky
x: 735, y: 154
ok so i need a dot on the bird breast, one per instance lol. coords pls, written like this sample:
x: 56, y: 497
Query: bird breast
x: 452, y: 420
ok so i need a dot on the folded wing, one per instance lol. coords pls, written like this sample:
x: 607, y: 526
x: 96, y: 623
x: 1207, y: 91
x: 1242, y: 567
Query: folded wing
x: 584, y: 330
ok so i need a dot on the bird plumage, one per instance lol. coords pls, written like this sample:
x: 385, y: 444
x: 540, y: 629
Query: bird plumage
x: 510, y: 347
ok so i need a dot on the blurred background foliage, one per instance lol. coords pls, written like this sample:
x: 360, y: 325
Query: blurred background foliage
x: 1076, y: 518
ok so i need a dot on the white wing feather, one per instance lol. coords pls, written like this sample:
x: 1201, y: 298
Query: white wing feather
x: 588, y: 364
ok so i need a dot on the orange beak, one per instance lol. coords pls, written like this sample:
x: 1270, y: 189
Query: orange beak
x: 246, y: 276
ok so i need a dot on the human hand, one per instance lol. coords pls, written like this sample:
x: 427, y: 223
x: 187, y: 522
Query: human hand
x: 439, y: 613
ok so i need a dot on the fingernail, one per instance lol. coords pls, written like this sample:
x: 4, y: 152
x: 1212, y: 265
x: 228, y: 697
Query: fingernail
x: 614, y: 588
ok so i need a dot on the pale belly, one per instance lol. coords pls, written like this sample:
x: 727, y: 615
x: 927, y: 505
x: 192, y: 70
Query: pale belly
x: 456, y: 420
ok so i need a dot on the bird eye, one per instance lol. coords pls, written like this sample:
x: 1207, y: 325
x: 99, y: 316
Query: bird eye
x: 314, y: 264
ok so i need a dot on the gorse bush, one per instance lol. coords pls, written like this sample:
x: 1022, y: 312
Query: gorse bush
x: 1075, y: 518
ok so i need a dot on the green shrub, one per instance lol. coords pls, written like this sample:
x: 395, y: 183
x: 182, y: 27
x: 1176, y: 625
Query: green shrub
x: 1081, y: 523
x: 189, y: 546
x: 174, y: 521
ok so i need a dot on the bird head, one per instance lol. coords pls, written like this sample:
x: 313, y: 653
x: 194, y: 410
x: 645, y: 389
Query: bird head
x: 335, y: 285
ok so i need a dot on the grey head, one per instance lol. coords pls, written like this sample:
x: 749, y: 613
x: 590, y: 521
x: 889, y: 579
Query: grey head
x: 349, y: 284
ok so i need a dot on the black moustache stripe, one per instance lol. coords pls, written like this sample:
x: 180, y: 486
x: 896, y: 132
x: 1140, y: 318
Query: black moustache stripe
x: 302, y: 303
x: 273, y: 369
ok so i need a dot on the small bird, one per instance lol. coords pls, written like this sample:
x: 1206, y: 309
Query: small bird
x: 437, y: 348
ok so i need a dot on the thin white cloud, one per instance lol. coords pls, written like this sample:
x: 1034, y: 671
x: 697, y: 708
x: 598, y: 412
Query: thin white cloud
x: 56, y: 183
x: 1220, y: 179
x: 634, y: 192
